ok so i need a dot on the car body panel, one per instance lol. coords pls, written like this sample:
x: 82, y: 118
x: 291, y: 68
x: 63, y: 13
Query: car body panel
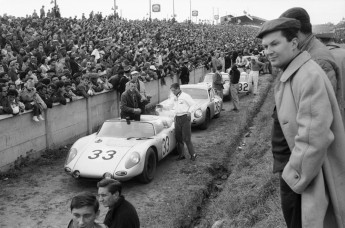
x: 106, y: 152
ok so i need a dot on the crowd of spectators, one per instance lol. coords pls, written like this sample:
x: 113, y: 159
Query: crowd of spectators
x: 46, y: 60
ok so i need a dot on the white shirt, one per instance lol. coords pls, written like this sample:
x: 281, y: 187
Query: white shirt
x: 182, y: 104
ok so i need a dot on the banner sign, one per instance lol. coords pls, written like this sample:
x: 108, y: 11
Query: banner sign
x: 156, y: 8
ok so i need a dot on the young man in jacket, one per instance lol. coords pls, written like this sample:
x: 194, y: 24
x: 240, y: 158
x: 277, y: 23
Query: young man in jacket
x: 121, y: 213
x: 308, y: 134
x: 84, y: 210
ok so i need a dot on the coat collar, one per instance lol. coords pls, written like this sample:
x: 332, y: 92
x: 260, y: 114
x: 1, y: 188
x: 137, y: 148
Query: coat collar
x: 295, y: 64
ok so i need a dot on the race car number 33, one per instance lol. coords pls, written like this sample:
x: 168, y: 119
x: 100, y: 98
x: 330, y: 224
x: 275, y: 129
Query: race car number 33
x: 108, y: 154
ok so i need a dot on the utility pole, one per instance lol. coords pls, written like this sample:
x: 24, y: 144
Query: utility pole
x: 190, y: 10
x: 115, y: 9
x: 150, y: 9
x: 173, y: 8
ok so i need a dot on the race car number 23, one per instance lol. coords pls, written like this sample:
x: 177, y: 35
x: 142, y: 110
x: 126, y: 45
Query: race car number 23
x: 109, y: 154
x: 165, y: 146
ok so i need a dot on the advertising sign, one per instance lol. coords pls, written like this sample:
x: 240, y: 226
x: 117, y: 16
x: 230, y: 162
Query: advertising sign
x: 156, y: 8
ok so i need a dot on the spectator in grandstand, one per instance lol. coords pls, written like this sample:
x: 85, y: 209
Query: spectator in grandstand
x: 308, y: 134
x: 184, y: 74
x: 28, y: 97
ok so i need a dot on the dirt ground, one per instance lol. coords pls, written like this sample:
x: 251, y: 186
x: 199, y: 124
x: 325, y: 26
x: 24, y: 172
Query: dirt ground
x: 39, y: 195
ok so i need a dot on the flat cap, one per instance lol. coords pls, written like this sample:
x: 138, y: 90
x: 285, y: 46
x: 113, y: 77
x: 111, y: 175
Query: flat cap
x: 278, y: 24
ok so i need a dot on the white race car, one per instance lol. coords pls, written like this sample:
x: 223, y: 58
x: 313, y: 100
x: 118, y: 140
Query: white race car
x: 208, y: 79
x: 208, y: 104
x: 123, y: 149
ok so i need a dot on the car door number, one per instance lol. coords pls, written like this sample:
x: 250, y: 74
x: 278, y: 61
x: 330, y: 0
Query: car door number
x: 109, y: 154
x: 165, y: 146
x: 243, y: 87
x: 217, y: 104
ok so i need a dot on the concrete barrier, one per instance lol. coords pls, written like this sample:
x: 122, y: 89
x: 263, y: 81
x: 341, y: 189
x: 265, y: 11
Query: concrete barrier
x: 20, y: 136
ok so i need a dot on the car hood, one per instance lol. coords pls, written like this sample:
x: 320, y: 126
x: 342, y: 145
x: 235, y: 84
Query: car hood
x: 103, y: 155
x: 200, y: 102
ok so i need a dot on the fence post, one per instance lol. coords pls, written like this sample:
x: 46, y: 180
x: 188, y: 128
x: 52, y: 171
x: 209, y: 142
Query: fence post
x: 88, y: 111
x: 159, y: 90
x: 48, y: 130
x: 118, y: 100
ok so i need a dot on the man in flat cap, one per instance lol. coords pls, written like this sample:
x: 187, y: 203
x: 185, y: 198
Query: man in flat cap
x: 327, y: 38
x: 308, y: 134
x: 318, y: 51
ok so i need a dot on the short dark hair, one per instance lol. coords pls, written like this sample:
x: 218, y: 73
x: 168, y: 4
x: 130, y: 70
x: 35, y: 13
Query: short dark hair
x: 289, y: 33
x: 112, y: 185
x: 302, y: 16
x: 175, y: 86
x: 85, y: 199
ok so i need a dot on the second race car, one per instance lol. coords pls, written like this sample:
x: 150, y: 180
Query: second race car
x: 208, y: 104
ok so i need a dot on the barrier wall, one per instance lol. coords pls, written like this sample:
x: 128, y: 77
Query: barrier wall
x: 20, y: 136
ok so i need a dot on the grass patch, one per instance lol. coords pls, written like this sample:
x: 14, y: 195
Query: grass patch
x: 250, y: 197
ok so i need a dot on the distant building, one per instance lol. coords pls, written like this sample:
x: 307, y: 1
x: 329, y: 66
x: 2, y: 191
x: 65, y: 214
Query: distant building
x: 246, y: 19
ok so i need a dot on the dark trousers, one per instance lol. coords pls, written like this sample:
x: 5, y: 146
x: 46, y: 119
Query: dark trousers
x: 291, y: 205
x: 183, y: 134
x: 28, y: 106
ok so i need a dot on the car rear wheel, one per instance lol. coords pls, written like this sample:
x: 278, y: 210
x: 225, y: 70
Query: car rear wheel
x: 149, y: 167
x: 206, y: 123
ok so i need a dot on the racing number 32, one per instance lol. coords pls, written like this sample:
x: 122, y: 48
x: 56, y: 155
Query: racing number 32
x: 243, y: 87
x: 109, y: 154
x: 165, y: 146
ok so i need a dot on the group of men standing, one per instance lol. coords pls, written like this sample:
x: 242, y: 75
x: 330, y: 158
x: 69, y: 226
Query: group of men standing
x: 308, y: 130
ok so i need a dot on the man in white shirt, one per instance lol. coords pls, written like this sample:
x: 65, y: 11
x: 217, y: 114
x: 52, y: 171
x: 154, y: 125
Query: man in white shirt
x: 183, y: 105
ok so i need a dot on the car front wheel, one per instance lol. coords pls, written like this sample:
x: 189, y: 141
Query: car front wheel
x: 149, y: 167
x: 205, y: 124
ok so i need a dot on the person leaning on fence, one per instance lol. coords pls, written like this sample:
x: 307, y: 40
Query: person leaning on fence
x: 307, y: 135
x: 184, y: 75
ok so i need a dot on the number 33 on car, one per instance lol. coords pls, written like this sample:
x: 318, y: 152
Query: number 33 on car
x: 123, y: 150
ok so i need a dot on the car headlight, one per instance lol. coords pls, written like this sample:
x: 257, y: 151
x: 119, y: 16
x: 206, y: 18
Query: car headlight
x: 133, y: 159
x: 198, y: 113
x: 71, y: 155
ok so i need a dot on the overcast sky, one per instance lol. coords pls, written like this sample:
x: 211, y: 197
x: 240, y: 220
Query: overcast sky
x: 320, y: 11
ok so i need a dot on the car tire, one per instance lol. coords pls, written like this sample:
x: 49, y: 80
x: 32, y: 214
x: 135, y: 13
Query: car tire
x: 217, y: 115
x: 207, y: 121
x: 150, y: 167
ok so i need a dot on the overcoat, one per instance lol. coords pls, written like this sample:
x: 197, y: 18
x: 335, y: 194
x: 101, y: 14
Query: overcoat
x: 310, y: 118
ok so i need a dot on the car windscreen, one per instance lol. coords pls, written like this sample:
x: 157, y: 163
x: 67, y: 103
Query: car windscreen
x: 208, y: 78
x: 196, y: 93
x: 120, y: 129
